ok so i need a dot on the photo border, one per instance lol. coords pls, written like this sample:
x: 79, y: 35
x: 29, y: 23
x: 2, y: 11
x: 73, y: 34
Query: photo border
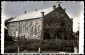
x: 81, y: 39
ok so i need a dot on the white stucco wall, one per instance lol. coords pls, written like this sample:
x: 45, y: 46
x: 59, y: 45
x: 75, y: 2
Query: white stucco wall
x: 30, y: 29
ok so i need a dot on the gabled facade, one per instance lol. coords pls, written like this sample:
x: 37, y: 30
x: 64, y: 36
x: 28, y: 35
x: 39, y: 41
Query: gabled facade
x: 57, y: 24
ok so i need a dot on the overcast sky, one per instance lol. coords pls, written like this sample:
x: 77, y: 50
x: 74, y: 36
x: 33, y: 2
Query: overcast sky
x: 74, y: 9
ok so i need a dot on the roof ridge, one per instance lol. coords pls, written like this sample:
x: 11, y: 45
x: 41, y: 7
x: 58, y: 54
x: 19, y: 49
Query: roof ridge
x: 33, y: 14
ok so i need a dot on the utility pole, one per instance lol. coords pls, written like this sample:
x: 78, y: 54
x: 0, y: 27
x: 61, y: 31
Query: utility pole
x: 18, y: 36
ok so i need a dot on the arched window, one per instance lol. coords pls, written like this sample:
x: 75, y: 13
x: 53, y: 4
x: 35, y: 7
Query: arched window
x: 11, y: 32
x: 37, y: 27
x: 26, y: 28
x: 22, y: 28
x: 30, y: 24
x: 31, y: 28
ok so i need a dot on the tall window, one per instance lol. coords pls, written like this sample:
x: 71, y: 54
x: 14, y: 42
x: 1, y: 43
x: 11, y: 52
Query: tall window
x: 31, y: 28
x: 37, y: 27
x: 26, y: 28
x: 23, y: 27
x: 31, y: 31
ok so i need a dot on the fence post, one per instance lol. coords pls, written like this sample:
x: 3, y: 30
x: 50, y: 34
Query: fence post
x: 75, y: 49
x: 39, y: 50
x: 18, y: 49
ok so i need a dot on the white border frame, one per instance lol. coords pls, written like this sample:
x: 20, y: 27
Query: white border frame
x: 81, y: 39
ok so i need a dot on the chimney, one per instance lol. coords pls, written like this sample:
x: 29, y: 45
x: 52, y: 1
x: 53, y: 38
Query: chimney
x: 42, y: 13
x: 58, y: 5
x: 36, y: 10
x: 72, y: 19
x: 24, y: 12
x: 64, y: 9
x: 54, y: 6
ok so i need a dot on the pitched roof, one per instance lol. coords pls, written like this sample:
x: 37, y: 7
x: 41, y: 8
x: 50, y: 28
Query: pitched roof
x: 33, y: 15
